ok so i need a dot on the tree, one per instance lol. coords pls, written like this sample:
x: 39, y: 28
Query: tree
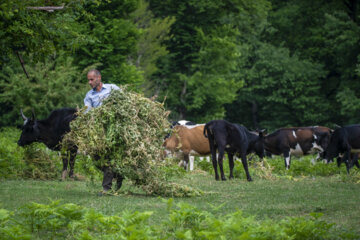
x: 53, y: 84
x: 153, y: 32
x: 37, y: 33
x: 200, y: 73
x: 113, y: 37
x: 283, y: 89
x: 326, y: 32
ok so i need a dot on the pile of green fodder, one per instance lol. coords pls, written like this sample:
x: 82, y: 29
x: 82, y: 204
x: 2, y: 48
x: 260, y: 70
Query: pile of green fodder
x: 126, y: 133
x: 33, y: 161
x: 41, y: 163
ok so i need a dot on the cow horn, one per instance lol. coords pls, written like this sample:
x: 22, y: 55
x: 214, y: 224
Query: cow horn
x: 22, y: 115
x: 33, y: 114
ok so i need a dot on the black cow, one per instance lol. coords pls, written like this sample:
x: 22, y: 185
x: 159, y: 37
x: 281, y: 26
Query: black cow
x: 344, y: 142
x: 51, y: 131
x: 297, y: 141
x: 234, y: 139
x: 353, y: 161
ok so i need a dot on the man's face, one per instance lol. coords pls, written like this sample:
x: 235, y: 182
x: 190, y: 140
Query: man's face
x: 94, y: 81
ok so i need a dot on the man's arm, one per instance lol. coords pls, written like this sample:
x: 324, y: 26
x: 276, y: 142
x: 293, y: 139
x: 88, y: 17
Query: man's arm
x: 115, y: 87
x: 87, y: 103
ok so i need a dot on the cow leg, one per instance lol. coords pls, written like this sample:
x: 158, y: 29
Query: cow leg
x: 220, y: 162
x: 191, y: 163
x: 338, y: 161
x: 214, y: 162
x: 356, y: 163
x: 287, y: 159
x: 346, y: 160
x: 72, y: 162
x: 65, y: 164
x: 245, y: 165
x: 231, y: 164
x: 186, y: 161
x: 213, y: 156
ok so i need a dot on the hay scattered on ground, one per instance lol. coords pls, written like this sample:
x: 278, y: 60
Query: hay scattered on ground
x: 126, y: 133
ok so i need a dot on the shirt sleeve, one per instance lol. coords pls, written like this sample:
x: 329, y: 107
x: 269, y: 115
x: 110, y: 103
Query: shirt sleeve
x: 87, y: 103
x: 115, y: 87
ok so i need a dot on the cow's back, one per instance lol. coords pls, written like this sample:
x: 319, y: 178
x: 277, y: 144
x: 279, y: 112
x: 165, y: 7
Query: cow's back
x: 195, y: 140
x: 353, y: 136
x: 188, y: 140
x: 59, y: 122
x: 276, y: 141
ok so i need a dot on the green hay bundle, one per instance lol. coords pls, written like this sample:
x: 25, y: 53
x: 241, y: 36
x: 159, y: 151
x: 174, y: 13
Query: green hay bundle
x: 128, y: 129
x: 39, y: 163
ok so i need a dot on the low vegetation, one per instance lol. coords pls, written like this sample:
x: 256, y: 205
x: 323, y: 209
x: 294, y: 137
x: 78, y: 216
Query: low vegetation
x: 311, y: 200
x: 182, y: 221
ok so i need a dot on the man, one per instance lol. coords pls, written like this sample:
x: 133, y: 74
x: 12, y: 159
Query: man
x: 99, y: 90
x: 93, y: 99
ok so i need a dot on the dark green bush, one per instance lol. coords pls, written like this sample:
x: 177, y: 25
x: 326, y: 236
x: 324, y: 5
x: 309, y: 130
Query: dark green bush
x: 11, y: 156
x: 34, y: 161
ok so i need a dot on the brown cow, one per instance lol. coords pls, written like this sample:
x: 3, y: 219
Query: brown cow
x: 189, y: 141
x: 297, y: 141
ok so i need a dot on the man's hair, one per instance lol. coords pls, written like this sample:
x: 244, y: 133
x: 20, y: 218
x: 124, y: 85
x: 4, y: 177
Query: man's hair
x: 97, y: 73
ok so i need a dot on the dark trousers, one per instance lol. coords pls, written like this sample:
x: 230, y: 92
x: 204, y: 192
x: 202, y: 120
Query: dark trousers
x: 109, y: 175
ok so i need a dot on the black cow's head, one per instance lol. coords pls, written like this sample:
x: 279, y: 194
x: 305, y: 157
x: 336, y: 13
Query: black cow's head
x: 336, y: 147
x: 322, y: 140
x: 30, y: 130
x: 259, y: 144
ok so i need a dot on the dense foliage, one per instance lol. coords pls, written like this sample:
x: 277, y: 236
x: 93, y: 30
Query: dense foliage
x: 32, y: 162
x: 11, y: 157
x: 303, y: 68
x: 71, y: 221
x: 263, y: 63
x: 54, y: 84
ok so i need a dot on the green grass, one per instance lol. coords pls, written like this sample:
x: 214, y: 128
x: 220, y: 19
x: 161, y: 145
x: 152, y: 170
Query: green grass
x: 337, y: 199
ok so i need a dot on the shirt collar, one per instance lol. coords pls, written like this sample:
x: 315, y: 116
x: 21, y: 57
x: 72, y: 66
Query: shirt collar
x: 103, y: 87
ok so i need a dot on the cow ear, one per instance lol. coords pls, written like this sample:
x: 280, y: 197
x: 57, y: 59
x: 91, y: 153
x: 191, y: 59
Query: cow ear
x: 261, y: 132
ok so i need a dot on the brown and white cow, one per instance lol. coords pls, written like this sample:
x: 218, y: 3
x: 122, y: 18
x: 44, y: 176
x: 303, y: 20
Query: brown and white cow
x: 188, y: 140
x: 297, y: 141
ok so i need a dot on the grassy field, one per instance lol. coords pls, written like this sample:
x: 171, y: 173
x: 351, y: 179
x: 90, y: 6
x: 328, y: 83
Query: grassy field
x: 337, y: 199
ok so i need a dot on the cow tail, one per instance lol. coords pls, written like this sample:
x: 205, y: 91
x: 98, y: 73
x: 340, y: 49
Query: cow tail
x: 207, y: 130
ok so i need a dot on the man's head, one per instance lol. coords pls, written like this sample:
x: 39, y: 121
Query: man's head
x: 94, y: 79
